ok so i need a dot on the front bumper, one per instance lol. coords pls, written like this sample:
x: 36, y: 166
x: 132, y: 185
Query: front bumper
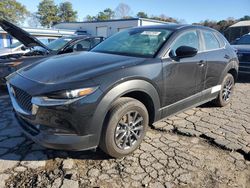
x: 56, y: 141
x: 64, y: 126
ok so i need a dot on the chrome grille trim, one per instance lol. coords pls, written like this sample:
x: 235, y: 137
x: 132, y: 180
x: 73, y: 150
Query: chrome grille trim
x: 23, y: 99
x: 16, y: 104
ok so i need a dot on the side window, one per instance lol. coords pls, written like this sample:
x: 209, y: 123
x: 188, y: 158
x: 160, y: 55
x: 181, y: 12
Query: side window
x: 95, y: 41
x: 189, y: 38
x: 83, y: 45
x: 211, y: 41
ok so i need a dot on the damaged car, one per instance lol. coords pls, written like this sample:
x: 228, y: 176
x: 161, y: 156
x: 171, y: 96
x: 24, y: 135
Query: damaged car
x: 39, y: 50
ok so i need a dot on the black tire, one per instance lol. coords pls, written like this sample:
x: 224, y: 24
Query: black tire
x: 222, y: 100
x: 117, y: 124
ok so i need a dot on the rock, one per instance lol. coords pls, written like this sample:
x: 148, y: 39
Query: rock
x: 20, y: 169
x: 221, y: 142
x: 57, y: 183
x: 3, y: 178
x: 188, y: 132
x: 104, y: 177
x: 195, y: 140
x: 169, y: 185
x: 144, y: 162
x: 68, y: 163
x: 147, y: 147
x: 70, y: 184
x: 185, y: 178
x: 157, y: 166
x: 156, y: 185
x: 34, y: 160
x: 93, y: 172
x: 233, y: 146
x: 8, y: 161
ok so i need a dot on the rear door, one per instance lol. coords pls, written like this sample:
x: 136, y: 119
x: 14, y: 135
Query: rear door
x: 217, y: 58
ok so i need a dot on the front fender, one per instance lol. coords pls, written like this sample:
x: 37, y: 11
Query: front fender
x: 118, y: 91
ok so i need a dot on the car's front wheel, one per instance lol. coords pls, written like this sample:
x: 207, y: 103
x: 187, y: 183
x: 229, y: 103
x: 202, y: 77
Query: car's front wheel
x: 225, y: 94
x: 125, y: 127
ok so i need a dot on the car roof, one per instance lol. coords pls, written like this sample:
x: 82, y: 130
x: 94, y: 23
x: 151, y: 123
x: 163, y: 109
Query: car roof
x: 176, y: 27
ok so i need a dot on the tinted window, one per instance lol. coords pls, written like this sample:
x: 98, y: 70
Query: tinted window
x: 135, y: 42
x: 82, y: 45
x: 58, y: 43
x: 189, y: 38
x: 95, y: 41
x: 210, y: 41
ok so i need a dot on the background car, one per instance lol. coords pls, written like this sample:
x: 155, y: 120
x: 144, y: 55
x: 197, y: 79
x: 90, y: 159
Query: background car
x: 107, y: 97
x: 242, y: 46
x: 18, y: 49
x: 39, y: 50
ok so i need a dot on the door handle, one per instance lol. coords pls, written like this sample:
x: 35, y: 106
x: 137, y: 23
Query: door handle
x: 201, y: 63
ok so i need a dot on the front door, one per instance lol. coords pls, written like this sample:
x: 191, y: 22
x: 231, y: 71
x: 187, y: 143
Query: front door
x: 183, y: 78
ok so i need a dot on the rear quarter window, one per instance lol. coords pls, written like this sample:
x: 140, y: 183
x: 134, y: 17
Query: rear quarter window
x: 223, y: 41
x: 211, y: 42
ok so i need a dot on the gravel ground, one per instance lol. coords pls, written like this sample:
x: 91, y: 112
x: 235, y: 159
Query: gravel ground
x: 201, y: 147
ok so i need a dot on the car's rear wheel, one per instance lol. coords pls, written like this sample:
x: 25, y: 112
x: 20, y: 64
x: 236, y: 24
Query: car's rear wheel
x: 125, y: 127
x: 225, y: 94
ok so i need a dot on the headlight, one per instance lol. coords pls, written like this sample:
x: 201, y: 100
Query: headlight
x: 72, y: 94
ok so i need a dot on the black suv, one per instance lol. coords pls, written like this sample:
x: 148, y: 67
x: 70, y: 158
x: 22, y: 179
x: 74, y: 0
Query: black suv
x: 107, y: 97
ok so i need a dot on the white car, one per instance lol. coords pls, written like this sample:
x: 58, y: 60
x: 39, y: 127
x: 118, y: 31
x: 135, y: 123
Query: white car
x: 15, y: 48
x: 19, y: 49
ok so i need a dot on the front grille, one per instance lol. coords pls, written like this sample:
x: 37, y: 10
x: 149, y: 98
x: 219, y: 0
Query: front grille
x: 23, y: 99
x: 245, y: 57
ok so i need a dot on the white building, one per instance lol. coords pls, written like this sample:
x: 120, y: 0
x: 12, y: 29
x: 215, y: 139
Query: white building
x: 107, y: 28
x: 6, y: 39
x: 237, y: 30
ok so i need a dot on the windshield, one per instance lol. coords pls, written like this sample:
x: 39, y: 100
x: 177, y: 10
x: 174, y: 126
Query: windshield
x: 58, y: 43
x: 244, y: 40
x: 14, y: 45
x: 138, y: 42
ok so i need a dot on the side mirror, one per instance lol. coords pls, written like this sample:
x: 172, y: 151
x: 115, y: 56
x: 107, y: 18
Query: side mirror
x: 185, y: 51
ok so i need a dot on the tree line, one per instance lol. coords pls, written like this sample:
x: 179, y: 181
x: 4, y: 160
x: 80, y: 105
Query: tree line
x: 48, y: 13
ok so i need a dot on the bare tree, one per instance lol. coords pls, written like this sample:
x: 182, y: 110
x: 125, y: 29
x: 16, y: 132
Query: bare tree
x: 123, y: 11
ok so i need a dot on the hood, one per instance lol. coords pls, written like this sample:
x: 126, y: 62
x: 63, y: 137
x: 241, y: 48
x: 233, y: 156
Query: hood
x: 242, y: 48
x: 21, y: 35
x: 75, y: 67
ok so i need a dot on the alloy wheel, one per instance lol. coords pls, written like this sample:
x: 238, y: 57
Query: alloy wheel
x: 227, y: 90
x: 129, y: 130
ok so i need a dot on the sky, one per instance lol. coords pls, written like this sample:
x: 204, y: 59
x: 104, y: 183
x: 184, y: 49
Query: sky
x: 189, y: 10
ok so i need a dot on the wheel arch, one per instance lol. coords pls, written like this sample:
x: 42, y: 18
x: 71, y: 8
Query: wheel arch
x: 231, y: 68
x: 137, y: 89
x: 234, y: 73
